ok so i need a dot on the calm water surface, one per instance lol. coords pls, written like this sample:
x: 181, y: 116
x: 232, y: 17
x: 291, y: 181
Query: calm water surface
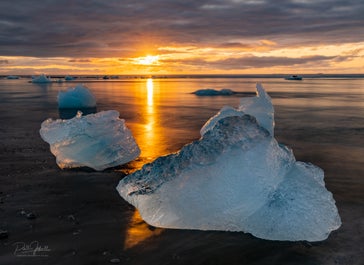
x: 322, y: 120
x: 163, y: 114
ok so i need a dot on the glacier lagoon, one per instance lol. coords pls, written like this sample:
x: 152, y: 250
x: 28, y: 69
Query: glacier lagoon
x: 236, y: 177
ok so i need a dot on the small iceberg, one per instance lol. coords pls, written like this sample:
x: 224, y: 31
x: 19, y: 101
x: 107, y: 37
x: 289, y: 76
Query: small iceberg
x: 76, y: 97
x: 41, y: 79
x: 213, y: 92
x: 69, y: 78
x: 236, y: 177
x: 12, y: 77
x: 98, y: 141
x: 293, y: 77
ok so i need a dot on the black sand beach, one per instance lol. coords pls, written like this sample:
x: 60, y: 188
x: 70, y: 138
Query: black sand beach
x: 79, y: 217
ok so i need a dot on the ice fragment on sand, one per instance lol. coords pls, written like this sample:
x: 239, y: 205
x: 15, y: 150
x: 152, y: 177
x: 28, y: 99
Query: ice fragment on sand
x: 98, y: 141
x: 260, y: 107
x: 236, y: 177
x: 226, y: 111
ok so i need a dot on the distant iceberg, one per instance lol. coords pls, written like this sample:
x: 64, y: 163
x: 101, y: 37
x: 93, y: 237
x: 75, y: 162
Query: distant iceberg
x: 41, y: 79
x: 236, y: 177
x: 12, y: 77
x: 69, y: 78
x: 98, y: 141
x: 76, y: 97
x: 213, y: 92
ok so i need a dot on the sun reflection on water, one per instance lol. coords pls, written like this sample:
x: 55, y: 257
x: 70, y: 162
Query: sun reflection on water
x: 149, y: 130
x: 150, y: 91
x: 150, y: 117
x: 150, y: 136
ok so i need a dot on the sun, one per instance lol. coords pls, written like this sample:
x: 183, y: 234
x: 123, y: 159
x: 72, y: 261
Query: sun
x: 147, y: 60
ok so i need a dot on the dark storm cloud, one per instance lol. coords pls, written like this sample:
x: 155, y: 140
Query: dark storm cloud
x: 97, y: 28
x: 251, y: 61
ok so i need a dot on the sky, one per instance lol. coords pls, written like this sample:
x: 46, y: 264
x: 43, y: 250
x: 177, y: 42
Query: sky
x: 181, y: 37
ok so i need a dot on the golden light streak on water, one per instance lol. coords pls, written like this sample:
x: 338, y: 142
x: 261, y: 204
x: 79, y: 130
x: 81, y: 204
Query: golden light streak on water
x: 150, y: 91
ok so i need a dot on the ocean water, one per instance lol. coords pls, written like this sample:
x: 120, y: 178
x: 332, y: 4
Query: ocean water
x: 321, y: 119
x: 163, y: 114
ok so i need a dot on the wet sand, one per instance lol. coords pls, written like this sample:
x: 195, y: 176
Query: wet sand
x: 80, y: 218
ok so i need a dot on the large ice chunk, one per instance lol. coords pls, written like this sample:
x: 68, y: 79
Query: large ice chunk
x: 236, y: 177
x: 76, y: 97
x: 260, y: 107
x: 226, y: 111
x: 98, y: 141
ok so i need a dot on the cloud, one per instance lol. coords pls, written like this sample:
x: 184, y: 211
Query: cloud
x: 60, y: 28
x: 251, y: 61
x: 79, y: 61
x: 4, y: 61
x: 235, y: 45
x: 355, y: 52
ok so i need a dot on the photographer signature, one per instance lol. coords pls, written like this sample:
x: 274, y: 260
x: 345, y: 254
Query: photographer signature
x: 33, y: 249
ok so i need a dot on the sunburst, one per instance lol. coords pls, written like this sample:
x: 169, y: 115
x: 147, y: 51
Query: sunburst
x: 147, y: 60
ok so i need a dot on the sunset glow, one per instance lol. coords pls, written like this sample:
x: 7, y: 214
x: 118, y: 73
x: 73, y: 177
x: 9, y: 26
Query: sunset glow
x: 213, y: 37
x: 150, y: 90
x: 263, y: 58
x: 147, y: 60
x: 182, y: 132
